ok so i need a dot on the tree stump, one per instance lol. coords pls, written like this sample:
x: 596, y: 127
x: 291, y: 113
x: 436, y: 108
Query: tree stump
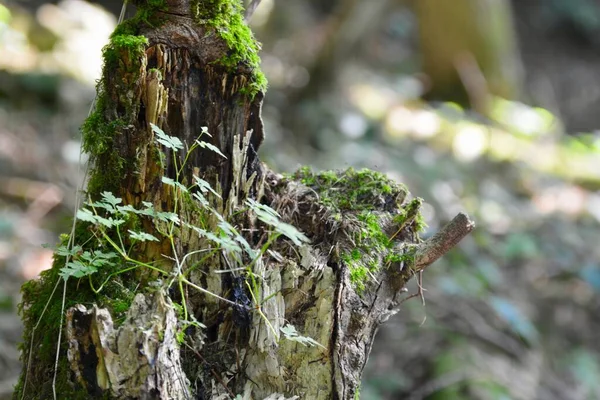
x: 194, y: 271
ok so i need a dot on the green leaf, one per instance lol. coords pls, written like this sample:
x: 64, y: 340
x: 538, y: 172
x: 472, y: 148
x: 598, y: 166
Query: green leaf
x: 201, y: 199
x: 167, y: 216
x: 76, y: 269
x: 97, y: 258
x: 147, y: 210
x: 270, y: 217
x: 87, y: 216
x: 205, y: 186
x: 65, y: 251
x: 225, y: 242
x: 109, y: 222
x: 88, y: 264
x: 142, y: 236
x: 292, y: 233
x: 109, y: 202
x: 210, y: 147
x: 127, y: 209
x: 172, y: 182
x: 205, y: 233
x: 170, y: 142
x: 205, y: 131
x: 106, y: 256
x: 290, y: 333
x: 110, y: 198
x: 249, y: 250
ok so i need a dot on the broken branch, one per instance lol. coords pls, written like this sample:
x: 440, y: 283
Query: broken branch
x: 439, y: 244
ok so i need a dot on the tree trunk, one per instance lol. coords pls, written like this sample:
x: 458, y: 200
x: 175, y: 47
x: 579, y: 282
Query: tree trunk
x: 469, y: 50
x: 178, y: 280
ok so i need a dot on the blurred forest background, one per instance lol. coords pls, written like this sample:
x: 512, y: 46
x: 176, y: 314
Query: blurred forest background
x: 486, y: 106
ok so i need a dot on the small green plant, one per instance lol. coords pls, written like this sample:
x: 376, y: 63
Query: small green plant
x: 290, y: 333
x: 107, y: 237
x: 114, y: 237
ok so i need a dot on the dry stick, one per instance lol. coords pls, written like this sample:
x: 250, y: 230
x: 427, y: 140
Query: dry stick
x: 438, y: 245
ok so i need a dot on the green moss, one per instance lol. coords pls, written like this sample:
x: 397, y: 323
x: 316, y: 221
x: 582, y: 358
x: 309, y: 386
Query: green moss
x: 131, y: 45
x: 147, y: 11
x: 147, y: 14
x: 360, y: 199
x: 371, y: 243
x: 394, y: 257
x: 157, y: 71
x: 370, y: 232
x: 411, y: 215
x: 353, y: 190
x: 359, y: 273
x: 122, y: 55
x: 226, y: 17
x: 42, y: 308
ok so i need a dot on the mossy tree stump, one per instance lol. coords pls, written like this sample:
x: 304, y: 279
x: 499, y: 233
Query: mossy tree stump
x: 184, y: 315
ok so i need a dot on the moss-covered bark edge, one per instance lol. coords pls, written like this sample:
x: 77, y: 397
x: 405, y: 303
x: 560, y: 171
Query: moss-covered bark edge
x: 352, y: 198
x: 226, y: 17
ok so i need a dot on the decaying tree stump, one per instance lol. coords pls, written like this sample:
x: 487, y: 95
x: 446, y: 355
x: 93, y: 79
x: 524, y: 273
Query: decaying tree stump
x: 222, y: 297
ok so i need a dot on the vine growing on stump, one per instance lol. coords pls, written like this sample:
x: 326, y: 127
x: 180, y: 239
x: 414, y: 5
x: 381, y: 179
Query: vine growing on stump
x: 193, y: 270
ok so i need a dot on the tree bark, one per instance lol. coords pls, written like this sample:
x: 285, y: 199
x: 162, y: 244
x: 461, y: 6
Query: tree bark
x: 168, y: 321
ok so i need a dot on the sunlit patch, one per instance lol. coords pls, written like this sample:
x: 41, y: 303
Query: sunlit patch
x: 452, y: 111
x: 353, y: 125
x: 85, y: 29
x: 409, y: 87
x: 373, y: 102
x: 470, y: 142
x: 530, y: 121
x: 425, y: 124
x: 542, y: 156
x: 274, y: 69
x: 71, y: 152
x: 503, y: 145
x: 17, y: 54
x: 81, y: 30
x: 421, y: 124
x: 398, y: 121
x: 443, y: 192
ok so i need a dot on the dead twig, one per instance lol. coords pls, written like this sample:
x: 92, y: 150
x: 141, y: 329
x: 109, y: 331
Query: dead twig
x: 440, y: 243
